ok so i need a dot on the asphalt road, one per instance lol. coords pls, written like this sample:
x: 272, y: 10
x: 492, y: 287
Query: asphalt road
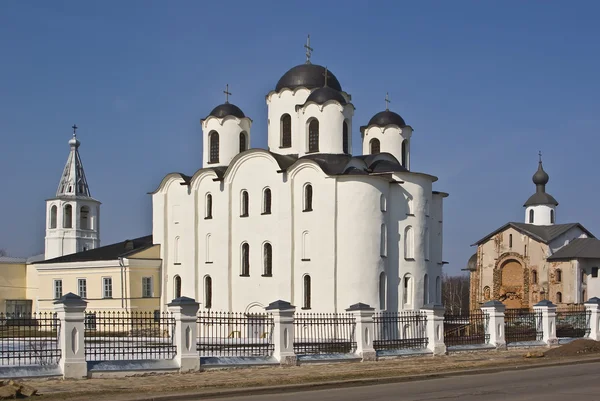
x: 570, y: 383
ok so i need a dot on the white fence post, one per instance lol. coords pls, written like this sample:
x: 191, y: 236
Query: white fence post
x: 435, y: 328
x: 592, y: 307
x: 495, y: 329
x: 548, y: 311
x: 185, y: 312
x: 283, y: 331
x: 364, y: 332
x: 70, y: 310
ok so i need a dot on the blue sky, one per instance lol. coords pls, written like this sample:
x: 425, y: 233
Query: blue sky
x: 485, y: 85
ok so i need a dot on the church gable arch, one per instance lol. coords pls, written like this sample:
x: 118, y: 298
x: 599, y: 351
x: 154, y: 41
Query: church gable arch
x: 511, y: 281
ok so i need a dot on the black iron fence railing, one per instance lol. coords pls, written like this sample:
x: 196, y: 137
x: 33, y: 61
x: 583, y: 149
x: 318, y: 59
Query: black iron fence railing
x: 572, y: 323
x: 324, y: 333
x: 522, y: 325
x: 123, y: 336
x: 400, y: 330
x: 466, y: 329
x: 234, y: 334
x: 29, y: 339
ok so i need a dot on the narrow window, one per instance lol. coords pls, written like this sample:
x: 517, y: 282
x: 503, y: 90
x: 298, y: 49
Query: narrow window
x: 594, y: 272
x: 245, y: 260
x: 307, y: 290
x: 268, y: 260
x: 383, y: 241
x: 375, y: 146
x: 208, y: 250
x: 57, y: 289
x: 407, y: 293
x: 147, y: 287
x: 286, y: 131
x: 382, y: 291
x: 84, y: 218
x: 559, y: 297
x: 176, y: 249
x: 534, y: 277
x: 409, y: 251
x: 438, y: 289
x: 107, y: 287
x: 82, y: 287
x: 267, y: 201
x: 404, y: 155
x: 243, y: 142
x: 551, y: 216
x: 530, y: 216
x: 510, y: 240
x: 582, y: 276
x: 208, y: 214
x: 426, y: 243
x: 313, y: 136
x: 345, y: 138
x: 177, y: 287
x: 213, y: 139
x: 208, y: 292
x: 425, y: 289
x: 53, y: 213
x: 305, y: 246
x: 308, y: 196
x: 559, y: 276
x: 244, y: 208
x: 68, y: 217
x: 525, y: 251
x: 382, y: 203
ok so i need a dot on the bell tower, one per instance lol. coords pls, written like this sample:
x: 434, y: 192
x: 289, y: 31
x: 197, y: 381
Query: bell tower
x: 72, y: 216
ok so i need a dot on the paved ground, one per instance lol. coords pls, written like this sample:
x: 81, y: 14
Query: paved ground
x: 575, y: 382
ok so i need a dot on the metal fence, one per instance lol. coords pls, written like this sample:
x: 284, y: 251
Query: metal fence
x: 522, y: 325
x: 29, y: 339
x: 324, y: 333
x: 122, y: 336
x: 466, y: 329
x: 400, y: 330
x: 572, y: 323
x: 234, y: 334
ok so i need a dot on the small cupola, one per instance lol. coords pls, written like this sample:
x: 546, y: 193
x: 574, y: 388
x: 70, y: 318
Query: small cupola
x: 540, y: 208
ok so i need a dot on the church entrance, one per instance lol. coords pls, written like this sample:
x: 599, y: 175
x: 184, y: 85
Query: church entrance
x: 512, y: 285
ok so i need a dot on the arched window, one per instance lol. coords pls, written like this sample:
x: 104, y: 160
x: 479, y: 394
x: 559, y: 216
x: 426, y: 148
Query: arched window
x: 426, y: 243
x: 307, y: 290
x: 313, y: 136
x: 383, y: 241
x: 486, y: 293
x: 208, y: 212
x: 84, y: 218
x: 425, y: 289
x: 245, y: 259
x: 208, y: 248
x: 438, y: 289
x: 243, y: 142
x: 244, y: 204
x: 286, y: 131
x: 534, y: 277
x: 559, y: 297
x: 510, y: 240
x: 375, y: 146
x: 382, y: 203
x: 345, y: 140
x: 382, y: 291
x: 213, y: 139
x: 177, y: 287
x: 176, y: 253
x: 68, y: 217
x: 268, y: 260
x: 266, y: 201
x: 308, y: 196
x: 530, y: 216
x: 407, y: 294
x: 525, y: 250
x: 410, y: 206
x: 404, y: 155
x: 53, y: 216
x: 559, y: 276
x: 551, y: 216
x: 208, y: 292
x: 305, y: 246
x: 409, y: 243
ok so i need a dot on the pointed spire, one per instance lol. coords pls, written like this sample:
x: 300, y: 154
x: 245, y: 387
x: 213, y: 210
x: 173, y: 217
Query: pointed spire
x: 540, y: 178
x: 73, y: 181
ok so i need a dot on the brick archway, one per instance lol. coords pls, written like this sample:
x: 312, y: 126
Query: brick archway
x: 511, y: 281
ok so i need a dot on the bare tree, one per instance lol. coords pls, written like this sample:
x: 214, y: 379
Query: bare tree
x: 3, y: 252
x: 455, y: 293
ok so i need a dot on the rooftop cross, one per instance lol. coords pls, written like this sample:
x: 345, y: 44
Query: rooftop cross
x: 326, y: 75
x: 387, y: 101
x: 540, y: 154
x: 227, y: 93
x: 308, y: 50
x: 74, y: 129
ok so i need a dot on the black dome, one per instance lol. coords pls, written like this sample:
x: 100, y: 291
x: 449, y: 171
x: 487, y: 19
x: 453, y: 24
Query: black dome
x: 325, y: 94
x: 540, y: 177
x: 309, y: 76
x: 386, y: 118
x: 227, y: 109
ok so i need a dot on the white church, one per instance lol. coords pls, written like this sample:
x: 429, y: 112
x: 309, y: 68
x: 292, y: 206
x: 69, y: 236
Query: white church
x: 304, y: 221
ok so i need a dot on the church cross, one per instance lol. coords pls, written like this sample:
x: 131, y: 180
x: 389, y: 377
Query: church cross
x: 227, y: 93
x: 540, y: 155
x: 387, y: 101
x: 308, y: 50
x: 74, y: 129
x: 326, y: 75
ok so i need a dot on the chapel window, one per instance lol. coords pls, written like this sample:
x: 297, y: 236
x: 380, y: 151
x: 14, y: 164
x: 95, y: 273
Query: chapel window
x: 53, y: 216
x: 208, y: 292
x: 84, y: 218
x: 409, y: 243
x: 345, y: 139
x: 245, y: 260
x: 559, y: 298
x: 531, y: 213
x: 243, y: 142
x: 286, y: 131
x: 551, y: 216
x: 307, y: 292
x: 558, y: 276
x: 177, y: 287
x: 313, y: 136
x: 534, y: 277
x: 308, y: 197
x: 404, y: 155
x: 213, y: 139
x: 510, y: 240
x: 209, y: 205
x: 375, y: 146
x: 266, y: 201
x: 245, y: 201
x: 68, y: 217
x: 594, y: 272
x: 268, y: 260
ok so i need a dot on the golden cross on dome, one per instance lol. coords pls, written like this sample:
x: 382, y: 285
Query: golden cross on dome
x: 308, y: 50
x: 227, y: 93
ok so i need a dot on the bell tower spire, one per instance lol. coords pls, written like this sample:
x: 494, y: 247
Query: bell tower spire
x: 540, y: 208
x: 72, y: 223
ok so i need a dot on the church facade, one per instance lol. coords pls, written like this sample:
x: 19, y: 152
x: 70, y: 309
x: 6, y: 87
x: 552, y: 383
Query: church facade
x: 521, y: 264
x: 304, y: 220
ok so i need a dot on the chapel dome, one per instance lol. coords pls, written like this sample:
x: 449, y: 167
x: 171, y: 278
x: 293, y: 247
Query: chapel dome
x: 227, y: 109
x: 540, y: 177
x: 387, y: 117
x: 309, y: 76
x: 325, y: 94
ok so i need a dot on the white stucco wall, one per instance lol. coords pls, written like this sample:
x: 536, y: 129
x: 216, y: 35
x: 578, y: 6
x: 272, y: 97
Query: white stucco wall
x: 229, y: 129
x: 278, y: 104
x: 541, y: 215
x: 390, y: 139
x: 331, y: 117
